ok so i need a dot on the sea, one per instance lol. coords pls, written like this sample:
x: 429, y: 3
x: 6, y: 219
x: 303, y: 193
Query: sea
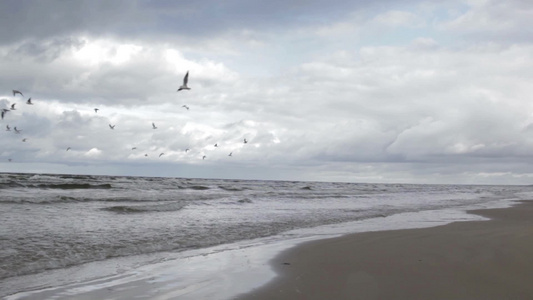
x: 56, y: 222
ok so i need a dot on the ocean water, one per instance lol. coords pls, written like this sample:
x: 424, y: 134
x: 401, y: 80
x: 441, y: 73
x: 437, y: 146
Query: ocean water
x: 60, y: 221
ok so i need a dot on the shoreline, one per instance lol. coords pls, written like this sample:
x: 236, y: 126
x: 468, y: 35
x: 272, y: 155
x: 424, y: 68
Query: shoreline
x: 462, y: 260
x: 221, y: 272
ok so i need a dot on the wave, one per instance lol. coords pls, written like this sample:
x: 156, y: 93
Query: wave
x: 74, y: 186
x: 198, y: 187
x: 231, y: 188
x: 125, y: 209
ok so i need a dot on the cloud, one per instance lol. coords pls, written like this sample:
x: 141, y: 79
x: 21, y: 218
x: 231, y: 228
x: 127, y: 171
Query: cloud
x: 355, y: 92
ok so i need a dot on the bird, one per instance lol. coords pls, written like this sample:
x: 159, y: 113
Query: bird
x: 96, y: 110
x: 23, y: 140
x: 161, y: 154
x: 133, y: 148
x: 153, y: 126
x: 230, y: 154
x: 187, y: 150
x: 8, y: 128
x: 3, y: 113
x: 17, y: 130
x: 13, y: 106
x: 29, y: 101
x: 68, y: 148
x: 112, y: 126
x: 245, y: 141
x: 9, y: 159
x: 185, y: 106
x: 15, y: 92
x: 185, y: 80
x: 145, y: 154
x: 203, y: 157
x: 216, y: 145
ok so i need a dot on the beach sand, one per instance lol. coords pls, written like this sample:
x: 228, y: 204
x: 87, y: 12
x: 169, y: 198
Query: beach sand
x: 464, y: 260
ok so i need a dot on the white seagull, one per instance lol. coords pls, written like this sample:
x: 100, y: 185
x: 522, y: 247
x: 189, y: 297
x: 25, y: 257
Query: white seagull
x: 13, y: 106
x: 161, y: 154
x: 185, y: 80
x: 17, y: 130
x: 4, y: 112
x: 29, y: 101
x: 96, y: 110
x: 187, y: 150
x: 112, y: 126
x: 204, y: 157
x: 68, y: 148
x: 23, y: 140
x: 185, y: 106
x: 8, y: 128
x: 245, y: 141
x: 153, y: 126
x: 133, y: 148
x: 230, y: 154
x: 15, y: 92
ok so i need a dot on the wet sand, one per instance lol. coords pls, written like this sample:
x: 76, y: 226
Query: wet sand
x: 464, y: 260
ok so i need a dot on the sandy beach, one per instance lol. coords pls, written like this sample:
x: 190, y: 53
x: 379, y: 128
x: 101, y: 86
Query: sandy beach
x: 464, y: 260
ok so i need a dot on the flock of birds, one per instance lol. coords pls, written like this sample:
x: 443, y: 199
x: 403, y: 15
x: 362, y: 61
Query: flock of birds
x: 184, y: 86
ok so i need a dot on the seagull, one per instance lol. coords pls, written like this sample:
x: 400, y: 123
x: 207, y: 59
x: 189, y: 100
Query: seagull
x: 161, y: 154
x: 17, y: 130
x: 29, y: 102
x: 23, y: 140
x: 230, y: 154
x: 185, y: 106
x: 112, y: 127
x: 17, y: 92
x: 68, y: 148
x: 185, y: 80
x: 96, y: 110
x: 13, y: 106
x: 8, y: 128
x: 153, y: 126
x: 4, y: 112
x: 245, y: 141
x: 133, y: 148
x: 204, y: 157
x: 216, y: 145
x: 187, y: 150
x: 9, y: 159
x: 145, y: 154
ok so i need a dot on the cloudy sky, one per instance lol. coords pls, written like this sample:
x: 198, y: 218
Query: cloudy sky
x: 359, y: 91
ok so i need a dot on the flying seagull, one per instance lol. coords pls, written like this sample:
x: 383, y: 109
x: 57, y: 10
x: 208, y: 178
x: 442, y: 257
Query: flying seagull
x: 96, y: 110
x: 204, y: 157
x: 185, y: 106
x: 153, y: 126
x: 8, y: 128
x: 68, y: 148
x: 4, y: 112
x: 112, y: 127
x: 13, y: 106
x: 245, y: 141
x: 145, y: 154
x: 185, y: 80
x: 216, y: 145
x: 17, y: 130
x: 133, y: 148
x: 9, y: 159
x: 161, y: 154
x: 29, y: 101
x: 187, y: 150
x: 23, y: 140
x: 230, y: 154
x: 15, y: 92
